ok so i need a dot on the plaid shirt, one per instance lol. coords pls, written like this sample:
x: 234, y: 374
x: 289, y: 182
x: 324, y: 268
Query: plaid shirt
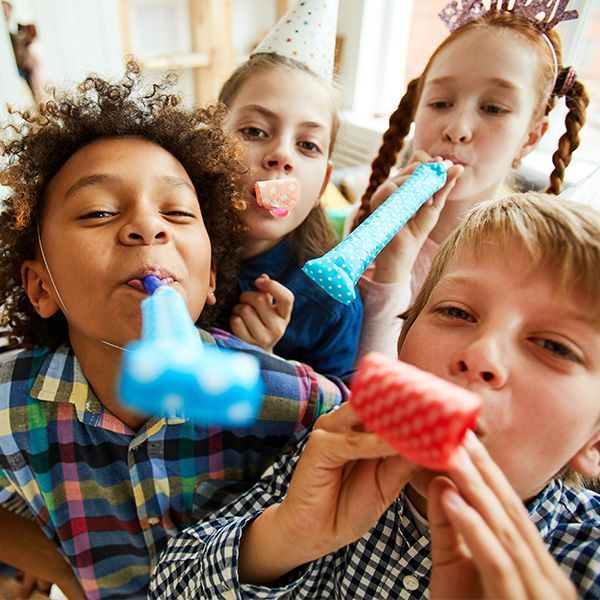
x: 110, y: 497
x: 391, y: 561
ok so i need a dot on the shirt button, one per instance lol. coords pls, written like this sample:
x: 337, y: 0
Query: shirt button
x: 410, y: 583
x: 153, y: 521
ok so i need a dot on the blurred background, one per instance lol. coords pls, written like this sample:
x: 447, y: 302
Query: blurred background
x: 381, y: 45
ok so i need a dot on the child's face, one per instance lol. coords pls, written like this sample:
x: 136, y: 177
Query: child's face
x: 529, y: 351
x: 119, y: 209
x: 476, y: 108
x: 285, y: 119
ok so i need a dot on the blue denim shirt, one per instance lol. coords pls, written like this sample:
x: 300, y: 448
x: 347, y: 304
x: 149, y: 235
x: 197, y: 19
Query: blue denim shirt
x: 323, y: 332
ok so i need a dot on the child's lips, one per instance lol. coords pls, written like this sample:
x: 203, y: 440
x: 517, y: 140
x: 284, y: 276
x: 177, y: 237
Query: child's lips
x: 136, y: 279
x: 454, y: 159
x: 275, y: 213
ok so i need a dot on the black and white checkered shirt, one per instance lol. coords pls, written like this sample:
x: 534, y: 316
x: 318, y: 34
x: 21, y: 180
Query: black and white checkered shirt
x: 391, y: 561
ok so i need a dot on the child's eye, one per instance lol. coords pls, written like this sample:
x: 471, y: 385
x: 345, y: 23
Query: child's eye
x: 558, y: 349
x: 440, y: 104
x: 454, y: 312
x: 310, y: 147
x: 180, y: 213
x: 249, y: 133
x: 492, y: 109
x: 97, y: 214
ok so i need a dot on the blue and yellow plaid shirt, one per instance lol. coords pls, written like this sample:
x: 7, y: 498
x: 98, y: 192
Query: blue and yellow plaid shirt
x: 110, y: 497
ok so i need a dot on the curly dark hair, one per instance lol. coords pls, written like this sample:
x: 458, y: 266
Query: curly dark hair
x: 35, y: 145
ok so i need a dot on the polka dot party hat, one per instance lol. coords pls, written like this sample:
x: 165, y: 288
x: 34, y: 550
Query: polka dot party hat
x: 306, y: 33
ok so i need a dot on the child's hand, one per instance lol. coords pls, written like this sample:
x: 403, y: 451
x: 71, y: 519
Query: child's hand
x: 395, y: 261
x: 31, y: 584
x: 261, y: 317
x: 344, y: 481
x: 484, y: 545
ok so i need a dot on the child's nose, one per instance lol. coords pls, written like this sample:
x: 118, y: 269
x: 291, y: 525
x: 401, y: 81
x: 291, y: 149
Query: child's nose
x: 458, y: 130
x: 279, y: 158
x: 144, y: 231
x: 482, y: 360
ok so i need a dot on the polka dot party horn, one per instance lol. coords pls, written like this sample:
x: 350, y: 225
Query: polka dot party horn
x: 424, y: 418
x: 338, y: 271
x: 169, y: 372
x: 278, y: 196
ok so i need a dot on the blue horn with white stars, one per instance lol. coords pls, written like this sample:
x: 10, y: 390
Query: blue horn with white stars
x: 169, y: 372
x: 338, y: 271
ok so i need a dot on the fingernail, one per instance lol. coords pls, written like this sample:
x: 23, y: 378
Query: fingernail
x: 462, y: 462
x: 454, y: 499
x: 471, y: 441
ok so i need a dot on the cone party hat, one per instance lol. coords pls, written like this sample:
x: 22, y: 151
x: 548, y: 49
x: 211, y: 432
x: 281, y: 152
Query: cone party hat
x: 306, y: 33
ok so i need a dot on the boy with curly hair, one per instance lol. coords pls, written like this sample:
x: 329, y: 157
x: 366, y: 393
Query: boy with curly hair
x: 107, y: 185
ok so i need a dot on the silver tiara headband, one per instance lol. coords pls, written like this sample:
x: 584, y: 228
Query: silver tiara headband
x: 543, y: 14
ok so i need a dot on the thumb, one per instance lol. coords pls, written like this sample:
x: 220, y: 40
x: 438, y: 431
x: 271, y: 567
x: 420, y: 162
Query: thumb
x: 454, y: 173
x: 394, y: 473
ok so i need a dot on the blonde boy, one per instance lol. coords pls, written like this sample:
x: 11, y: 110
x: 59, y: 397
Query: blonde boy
x: 510, y: 311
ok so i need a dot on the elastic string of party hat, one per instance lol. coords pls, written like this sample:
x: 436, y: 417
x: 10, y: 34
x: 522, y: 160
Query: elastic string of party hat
x: 63, y: 306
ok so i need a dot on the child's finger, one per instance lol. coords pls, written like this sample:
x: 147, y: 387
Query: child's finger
x: 252, y: 321
x: 342, y: 419
x: 405, y: 173
x: 420, y: 156
x: 382, y: 193
x: 487, y: 490
x: 262, y: 305
x: 334, y: 449
x: 452, y: 176
x: 446, y: 544
x: 512, y: 505
x: 283, y: 297
x: 253, y: 298
x: 239, y: 329
x: 501, y: 576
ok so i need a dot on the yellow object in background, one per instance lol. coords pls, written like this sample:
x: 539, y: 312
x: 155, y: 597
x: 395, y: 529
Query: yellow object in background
x: 333, y: 198
x: 336, y: 208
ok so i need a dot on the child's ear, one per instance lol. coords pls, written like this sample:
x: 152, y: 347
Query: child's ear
x: 212, y: 284
x: 38, y: 288
x: 326, y: 180
x: 587, y: 461
x: 537, y: 130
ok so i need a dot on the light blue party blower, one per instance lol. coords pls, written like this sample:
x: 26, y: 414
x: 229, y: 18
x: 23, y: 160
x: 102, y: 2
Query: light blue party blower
x: 169, y: 372
x: 338, y: 271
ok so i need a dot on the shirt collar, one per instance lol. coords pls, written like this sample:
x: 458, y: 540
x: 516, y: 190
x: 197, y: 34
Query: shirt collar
x: 60, y: 379
x: 275, y: 261
x: 544, y: 508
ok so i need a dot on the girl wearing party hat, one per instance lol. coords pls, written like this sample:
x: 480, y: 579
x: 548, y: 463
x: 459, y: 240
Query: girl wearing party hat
x: 282, y: 106
x: 481, y: 102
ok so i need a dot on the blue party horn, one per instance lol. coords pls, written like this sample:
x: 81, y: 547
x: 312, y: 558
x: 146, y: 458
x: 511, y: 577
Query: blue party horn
x: 338, y: 271
x: 169, y: 372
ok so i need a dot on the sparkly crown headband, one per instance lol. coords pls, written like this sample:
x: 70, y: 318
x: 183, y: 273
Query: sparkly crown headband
x: 542, y: 14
